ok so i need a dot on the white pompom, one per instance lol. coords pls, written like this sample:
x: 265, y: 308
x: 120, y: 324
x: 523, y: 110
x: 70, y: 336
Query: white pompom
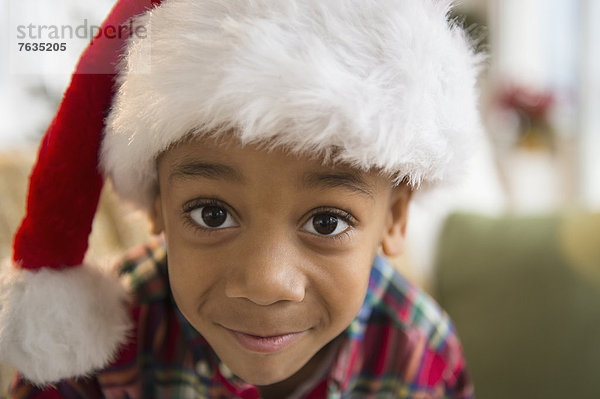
x: 56, y: 324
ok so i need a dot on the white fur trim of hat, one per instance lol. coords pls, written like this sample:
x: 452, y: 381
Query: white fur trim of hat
x: 388, y: 84
x: 57, y: 324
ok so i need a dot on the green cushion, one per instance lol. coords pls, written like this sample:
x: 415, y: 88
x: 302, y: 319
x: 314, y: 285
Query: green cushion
x: 524, y: 294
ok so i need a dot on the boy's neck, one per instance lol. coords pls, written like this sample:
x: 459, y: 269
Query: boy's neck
x: 286, y: 387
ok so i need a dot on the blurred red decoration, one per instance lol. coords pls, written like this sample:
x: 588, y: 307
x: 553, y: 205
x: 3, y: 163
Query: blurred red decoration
x: 533, y: 109
x: 528, y: 103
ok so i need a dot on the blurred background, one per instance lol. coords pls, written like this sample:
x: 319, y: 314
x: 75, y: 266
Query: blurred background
x: 512, y: 252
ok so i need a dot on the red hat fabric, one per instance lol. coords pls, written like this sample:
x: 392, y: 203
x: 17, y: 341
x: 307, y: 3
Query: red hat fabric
x: 65, y: 183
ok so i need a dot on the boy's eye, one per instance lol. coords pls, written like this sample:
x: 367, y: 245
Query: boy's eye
x: 212, y: 217
x: 326, y: 224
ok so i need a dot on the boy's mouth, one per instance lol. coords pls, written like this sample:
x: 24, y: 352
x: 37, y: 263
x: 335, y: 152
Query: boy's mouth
x: 266, y: 344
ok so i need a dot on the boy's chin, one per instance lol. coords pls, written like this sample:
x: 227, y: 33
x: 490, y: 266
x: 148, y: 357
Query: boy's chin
x: 265, y: 372
x: 284, y: 369
x: 265, y: 379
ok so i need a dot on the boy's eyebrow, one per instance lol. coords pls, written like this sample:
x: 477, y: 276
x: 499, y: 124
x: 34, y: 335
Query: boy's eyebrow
x: 349, y: 181
x: 191, y: 169
x: 209, y: 170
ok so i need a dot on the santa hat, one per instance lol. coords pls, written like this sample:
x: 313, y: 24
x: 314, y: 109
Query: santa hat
x: 375, y: 84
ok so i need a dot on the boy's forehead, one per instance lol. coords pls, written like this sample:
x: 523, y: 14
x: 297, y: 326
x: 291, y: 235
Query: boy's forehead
x: 230, y: 161
x: 230, y: 151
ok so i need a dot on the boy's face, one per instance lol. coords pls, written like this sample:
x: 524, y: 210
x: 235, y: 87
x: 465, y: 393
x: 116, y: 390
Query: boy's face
x: 270, y: 254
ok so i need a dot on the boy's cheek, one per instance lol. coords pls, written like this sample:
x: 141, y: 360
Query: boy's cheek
x: 346, y: 288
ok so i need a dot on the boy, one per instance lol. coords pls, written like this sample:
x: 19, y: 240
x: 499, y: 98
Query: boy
x: 276, y: 145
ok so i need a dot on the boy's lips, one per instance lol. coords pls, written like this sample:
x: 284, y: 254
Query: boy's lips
x: 266, y: 344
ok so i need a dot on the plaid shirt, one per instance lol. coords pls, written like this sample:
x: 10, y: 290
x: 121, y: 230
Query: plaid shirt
x: 400, y: 345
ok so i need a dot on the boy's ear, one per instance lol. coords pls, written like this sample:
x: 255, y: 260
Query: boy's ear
x: 157, y: 224
x: 392, y: 242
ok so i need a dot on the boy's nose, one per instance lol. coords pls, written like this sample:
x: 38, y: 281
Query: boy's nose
x: 266, y: 272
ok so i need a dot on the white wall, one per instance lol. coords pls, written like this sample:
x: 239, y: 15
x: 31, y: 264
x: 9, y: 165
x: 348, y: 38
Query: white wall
x: 32, y: 83
x: 589, y: 144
